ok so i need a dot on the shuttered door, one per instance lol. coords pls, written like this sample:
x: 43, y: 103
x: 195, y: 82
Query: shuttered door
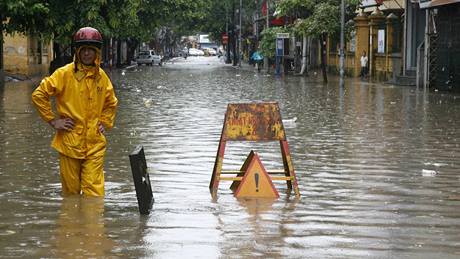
x: 448, y: 50
x: 455, y: 54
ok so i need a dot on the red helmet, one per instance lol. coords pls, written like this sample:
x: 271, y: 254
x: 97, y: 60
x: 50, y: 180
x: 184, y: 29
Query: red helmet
x: 87, y: 36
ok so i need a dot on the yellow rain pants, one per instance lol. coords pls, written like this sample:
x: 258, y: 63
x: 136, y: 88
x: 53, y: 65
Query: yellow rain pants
x: 82, y: 175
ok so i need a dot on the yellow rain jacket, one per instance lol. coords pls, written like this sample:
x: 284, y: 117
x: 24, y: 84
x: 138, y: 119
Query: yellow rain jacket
x: 87, y: 97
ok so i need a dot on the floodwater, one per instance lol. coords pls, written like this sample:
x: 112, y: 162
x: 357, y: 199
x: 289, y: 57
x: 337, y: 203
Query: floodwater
x: 378, y: 168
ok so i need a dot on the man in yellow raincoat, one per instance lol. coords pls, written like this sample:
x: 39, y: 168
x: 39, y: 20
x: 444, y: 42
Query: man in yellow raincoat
x: 86, y: 106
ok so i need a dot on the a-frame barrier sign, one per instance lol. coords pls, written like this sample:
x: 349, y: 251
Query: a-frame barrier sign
x: 253, y: 122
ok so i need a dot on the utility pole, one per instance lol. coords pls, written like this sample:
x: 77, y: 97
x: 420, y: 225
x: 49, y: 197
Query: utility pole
x: 266, y: 64
x: 234, y: 36
x: 342, y: 44
x: 2, y: 76
x: 256, y: 23
x: 239, y: 36
x: 227, y: 56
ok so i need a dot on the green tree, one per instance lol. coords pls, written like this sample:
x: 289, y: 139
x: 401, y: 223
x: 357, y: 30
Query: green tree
x: 19, y: 16
x: 223, y: 17
x: 168, y: 20
x: 318, y: 19
x: 131, y: 20
x: 22, y: 15
x: 220, y: 14
x: 296, y: 8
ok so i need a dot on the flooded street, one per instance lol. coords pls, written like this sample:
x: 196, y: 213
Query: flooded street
x: 378, y: 168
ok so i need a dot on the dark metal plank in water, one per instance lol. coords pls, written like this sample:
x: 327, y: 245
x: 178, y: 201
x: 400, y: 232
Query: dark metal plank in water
x: 141, y: 180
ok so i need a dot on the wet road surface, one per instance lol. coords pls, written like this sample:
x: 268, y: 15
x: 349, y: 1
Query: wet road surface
x: 378, y: 169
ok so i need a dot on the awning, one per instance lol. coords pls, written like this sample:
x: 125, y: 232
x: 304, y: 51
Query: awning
x: 368, y: 3
x: 434, y: 3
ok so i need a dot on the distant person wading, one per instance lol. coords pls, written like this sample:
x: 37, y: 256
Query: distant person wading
x: 364, y: 65
x: 86, y: 107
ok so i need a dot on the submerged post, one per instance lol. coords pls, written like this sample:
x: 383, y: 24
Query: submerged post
x: 141, y: 180
x: 267, y: 19
x: 342, y: 43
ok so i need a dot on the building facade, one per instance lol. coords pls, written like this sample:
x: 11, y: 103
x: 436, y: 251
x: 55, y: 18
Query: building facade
x: 25, y: 55
x: 438, y: 63
x: 378, y: 30
x: 413, y: 42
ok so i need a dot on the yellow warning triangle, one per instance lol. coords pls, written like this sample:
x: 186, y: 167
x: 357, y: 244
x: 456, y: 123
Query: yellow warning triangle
x: 256, y: 182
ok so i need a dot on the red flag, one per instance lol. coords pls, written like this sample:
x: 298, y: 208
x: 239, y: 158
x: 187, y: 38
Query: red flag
x: 264, y: 8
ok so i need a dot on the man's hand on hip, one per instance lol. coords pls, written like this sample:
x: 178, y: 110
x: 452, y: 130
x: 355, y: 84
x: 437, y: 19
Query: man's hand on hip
x: 101, y: 128
x: 62, y: 124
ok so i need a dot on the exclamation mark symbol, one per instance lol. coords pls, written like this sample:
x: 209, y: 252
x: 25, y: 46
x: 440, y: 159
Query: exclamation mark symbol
x: 256, y: 177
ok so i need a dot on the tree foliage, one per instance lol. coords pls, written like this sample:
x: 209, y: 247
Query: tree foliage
x: 223, y: 14
x: 316, y: 17
x: 323, y: 20
x: 295, y: 8
x: 123, y: 19
x: 22, y: 15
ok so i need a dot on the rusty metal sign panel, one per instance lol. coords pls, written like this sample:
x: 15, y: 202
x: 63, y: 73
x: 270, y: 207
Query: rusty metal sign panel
x: 253, y: 122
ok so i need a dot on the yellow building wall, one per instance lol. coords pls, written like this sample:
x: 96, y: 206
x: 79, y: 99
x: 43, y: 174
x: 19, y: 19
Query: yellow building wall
x: 383, y: 66
x: 21, y: 56
x: 333, y: 63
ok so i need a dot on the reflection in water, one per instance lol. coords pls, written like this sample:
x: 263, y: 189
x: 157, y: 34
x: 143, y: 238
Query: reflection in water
x: 256, y: 206
x: 80, y: 229
x: 255, y: 227
x: 263, y: 233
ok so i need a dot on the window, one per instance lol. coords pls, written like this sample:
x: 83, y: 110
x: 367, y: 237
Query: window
x: 352, y: 46
x: 397, y: 37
